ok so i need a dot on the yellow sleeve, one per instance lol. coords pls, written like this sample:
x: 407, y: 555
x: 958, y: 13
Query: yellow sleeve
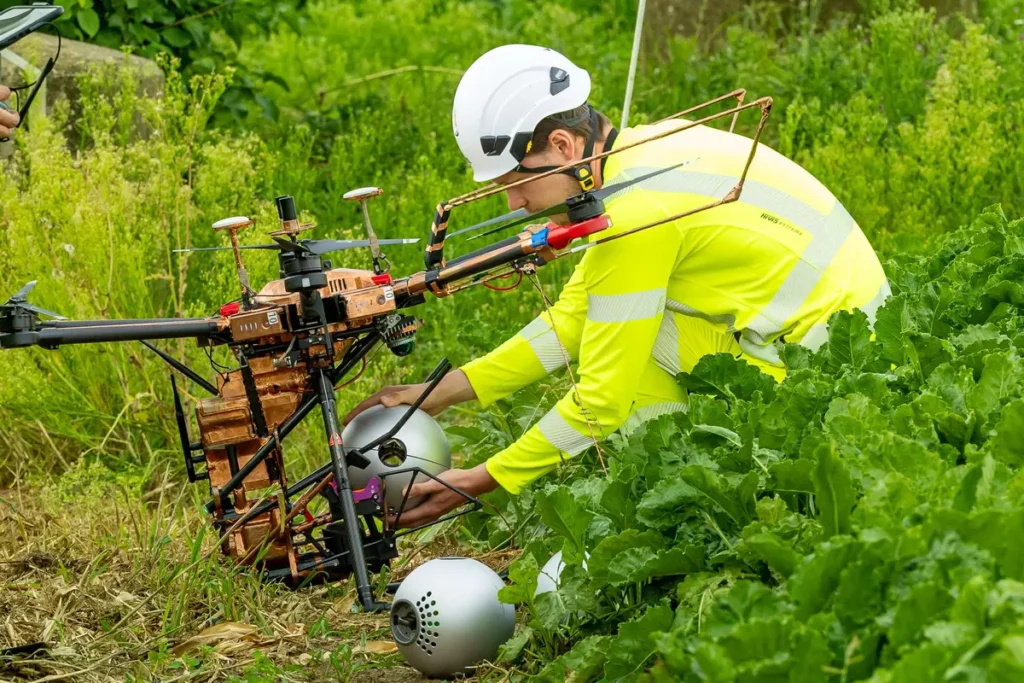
x: 625, y: 284
x: 534, y: 351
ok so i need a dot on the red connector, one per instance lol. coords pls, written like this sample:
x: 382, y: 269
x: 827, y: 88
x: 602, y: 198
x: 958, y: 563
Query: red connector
x: 230, y: 309
x: 382, y: 279
x: 559, y: 236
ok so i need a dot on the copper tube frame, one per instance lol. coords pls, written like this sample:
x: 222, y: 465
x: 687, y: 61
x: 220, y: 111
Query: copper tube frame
x: 738, y: 94
x: 763, y: 103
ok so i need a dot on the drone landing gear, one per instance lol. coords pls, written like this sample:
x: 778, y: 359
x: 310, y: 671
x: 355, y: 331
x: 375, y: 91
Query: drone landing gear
x: 351, y: 538
x: 352, y: 531
x: 332, y: 559
x: 374, y: 548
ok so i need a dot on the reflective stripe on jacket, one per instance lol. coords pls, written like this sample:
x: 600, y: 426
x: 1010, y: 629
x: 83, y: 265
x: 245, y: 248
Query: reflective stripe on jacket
x: 772, y: 266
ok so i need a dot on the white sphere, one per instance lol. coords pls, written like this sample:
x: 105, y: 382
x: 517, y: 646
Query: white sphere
x: 551, y: 573
x: 419, y: 443
x: 446, y: 617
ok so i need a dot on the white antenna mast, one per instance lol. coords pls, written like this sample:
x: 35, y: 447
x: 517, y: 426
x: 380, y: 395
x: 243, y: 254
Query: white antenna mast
x: 632, y: 61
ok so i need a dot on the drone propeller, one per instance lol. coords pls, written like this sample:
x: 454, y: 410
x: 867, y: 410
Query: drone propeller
x: 518, y: 213
x: 22, y: 294
x: 310, y: 246
x: 42, y: 311
x: 292, y: 245
x: 324, y: 246
x: 20, y: 300
x: 520, y: 216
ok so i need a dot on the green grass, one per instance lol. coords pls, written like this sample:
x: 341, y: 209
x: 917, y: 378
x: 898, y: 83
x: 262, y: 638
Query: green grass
x: 118, y: 587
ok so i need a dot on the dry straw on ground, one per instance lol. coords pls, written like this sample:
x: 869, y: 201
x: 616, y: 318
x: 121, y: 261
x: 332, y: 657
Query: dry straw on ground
x: 121, y: 589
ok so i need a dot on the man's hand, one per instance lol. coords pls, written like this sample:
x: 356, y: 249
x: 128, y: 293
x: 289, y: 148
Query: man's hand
x: 8, y: 119
x: 454, y: 388
x: 440, y: 499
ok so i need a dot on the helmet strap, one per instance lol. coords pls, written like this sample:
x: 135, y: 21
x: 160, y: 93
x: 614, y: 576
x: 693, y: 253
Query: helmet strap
x: 583, y: 173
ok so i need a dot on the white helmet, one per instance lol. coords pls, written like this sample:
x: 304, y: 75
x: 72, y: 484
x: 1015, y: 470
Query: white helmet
x: 504, y: 95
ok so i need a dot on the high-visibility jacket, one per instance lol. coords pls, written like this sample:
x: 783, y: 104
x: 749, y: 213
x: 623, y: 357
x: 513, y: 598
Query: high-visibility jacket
x: 739, y: 278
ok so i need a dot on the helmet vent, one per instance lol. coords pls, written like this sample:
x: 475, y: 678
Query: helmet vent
x: 559, y: 80
x: 494, y: 145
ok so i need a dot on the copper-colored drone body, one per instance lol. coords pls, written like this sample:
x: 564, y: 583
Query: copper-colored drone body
x: 230, y: 433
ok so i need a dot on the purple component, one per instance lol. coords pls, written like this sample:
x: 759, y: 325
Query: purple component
x: 372, y: 490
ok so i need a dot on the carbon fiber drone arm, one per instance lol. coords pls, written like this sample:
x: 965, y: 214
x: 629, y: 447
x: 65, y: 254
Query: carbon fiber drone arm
x: 50, y: 335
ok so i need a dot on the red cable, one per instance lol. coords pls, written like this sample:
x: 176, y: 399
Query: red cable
x: 504, y: 289
x: 358, y: 375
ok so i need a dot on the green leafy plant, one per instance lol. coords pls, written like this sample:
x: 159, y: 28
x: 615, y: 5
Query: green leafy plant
x: 856, y: 521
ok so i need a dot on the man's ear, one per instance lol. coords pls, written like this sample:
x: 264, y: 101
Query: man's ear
x: 564, y: 143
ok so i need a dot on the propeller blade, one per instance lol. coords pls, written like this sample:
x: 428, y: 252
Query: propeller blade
x: 41, y: 311
x: 20, y: 299
x: 518, y: 213
x: 288, y: 245
x: 311, y: 246
x: 550, y: 211
x: 243, y: 246
x: 22, y: 293
x: 601, y: 194
x: 399, y: 240
x: 324, y: 246
x: 605, y: 192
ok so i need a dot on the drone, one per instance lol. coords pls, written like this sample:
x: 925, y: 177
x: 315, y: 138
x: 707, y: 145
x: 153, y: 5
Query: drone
x: 297, y: 337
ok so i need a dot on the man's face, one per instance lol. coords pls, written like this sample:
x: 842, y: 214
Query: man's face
x: 548, y: 191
